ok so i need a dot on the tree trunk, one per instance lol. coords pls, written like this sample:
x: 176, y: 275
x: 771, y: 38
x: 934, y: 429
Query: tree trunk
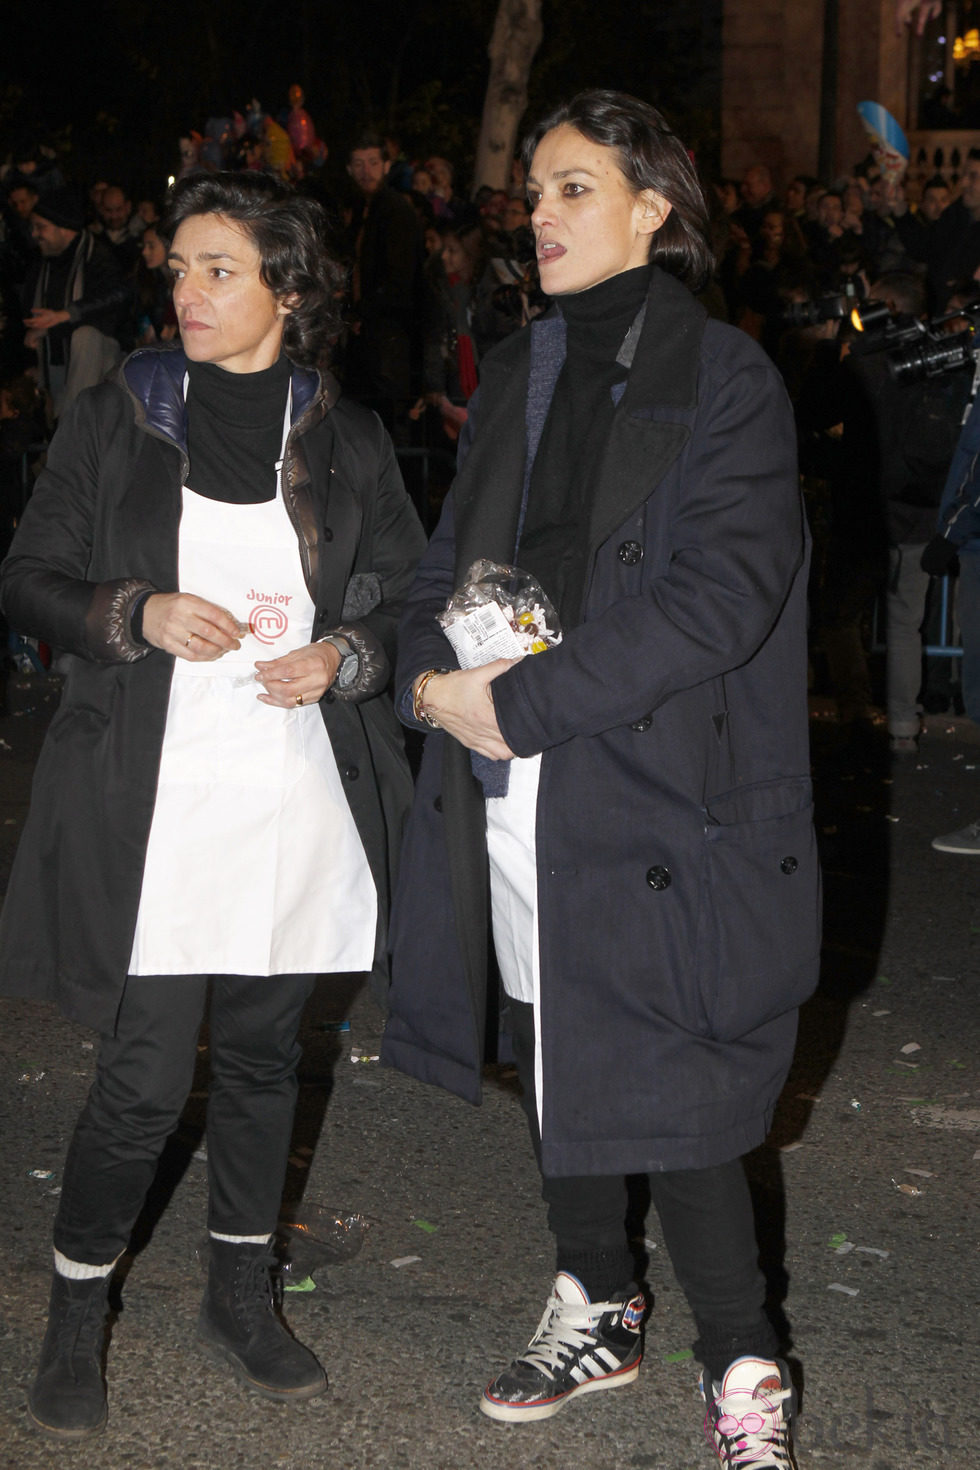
x: 516, y: 37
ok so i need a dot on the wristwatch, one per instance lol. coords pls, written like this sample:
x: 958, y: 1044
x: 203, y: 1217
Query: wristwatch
x: 349, y: 662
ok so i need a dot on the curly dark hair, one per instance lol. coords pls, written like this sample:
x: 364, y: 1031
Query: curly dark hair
x: 289, y: 232
x: 651, y: 156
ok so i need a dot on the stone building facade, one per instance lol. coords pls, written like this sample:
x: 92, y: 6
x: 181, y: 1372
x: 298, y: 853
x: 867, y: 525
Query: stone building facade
x: 771, y: 86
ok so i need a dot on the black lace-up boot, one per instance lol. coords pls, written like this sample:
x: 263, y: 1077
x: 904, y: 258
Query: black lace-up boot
x: 67, y: 1398
x: 240, y: 1321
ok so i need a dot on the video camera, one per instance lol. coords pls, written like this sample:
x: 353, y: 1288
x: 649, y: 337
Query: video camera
x: 835, y: 307
x: 917, y: 350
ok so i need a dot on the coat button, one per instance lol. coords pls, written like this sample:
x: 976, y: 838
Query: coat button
x: 327, y: 534
x: 631, y: 552
x: 789, y: 865
x: 351, y: 772
x: 659, y: 878
x: 437, y: 803
x: 642, y: 724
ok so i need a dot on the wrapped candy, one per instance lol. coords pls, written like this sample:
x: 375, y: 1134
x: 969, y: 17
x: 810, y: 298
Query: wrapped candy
x: 498, y: 612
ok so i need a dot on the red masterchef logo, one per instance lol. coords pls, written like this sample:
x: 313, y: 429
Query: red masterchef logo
x: 268, y: 623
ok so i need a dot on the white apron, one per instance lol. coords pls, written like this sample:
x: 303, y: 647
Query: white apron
x: 511, y: 847
x: 254, y: 864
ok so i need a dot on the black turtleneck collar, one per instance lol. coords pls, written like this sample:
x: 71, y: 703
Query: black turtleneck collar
x: 240, y: 399
x: 598, y: 319
x: 234, y: 430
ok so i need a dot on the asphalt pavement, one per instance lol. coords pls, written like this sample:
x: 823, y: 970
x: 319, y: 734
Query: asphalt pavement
x: 866, y: 1194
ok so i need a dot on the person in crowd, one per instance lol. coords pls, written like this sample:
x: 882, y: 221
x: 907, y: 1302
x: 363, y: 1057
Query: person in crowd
x: 726, y: 191
x: 220, y: 544
x: 882, y: 241
x: 778, y: 265
x: 94, y: 213
x: 936, y: 198
x: 442, y: 174
x: 121, y: 227
x: 516, y: 214
x: 629, y: 812
x: 758, y: 197
x: 156, y: 319
x: 451, y: 354
x: 827, y: 238
x: 77, y: 301
x: 796, y: 192
x: 957, y: 539
x: 384, y: 242
x: 898, y: 439
x: 950, y: 248
x: 22, y: 197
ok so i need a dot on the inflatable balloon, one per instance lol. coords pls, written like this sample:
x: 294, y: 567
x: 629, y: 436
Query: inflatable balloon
x: 302, y: 133
x: 888, y: 143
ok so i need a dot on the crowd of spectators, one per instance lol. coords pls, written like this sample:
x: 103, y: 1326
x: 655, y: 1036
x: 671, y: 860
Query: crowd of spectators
x: 438, y: 273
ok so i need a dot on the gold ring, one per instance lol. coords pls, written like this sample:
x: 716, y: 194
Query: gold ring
x: 299, y: 699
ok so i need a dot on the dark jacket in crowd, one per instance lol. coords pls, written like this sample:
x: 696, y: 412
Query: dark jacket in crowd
x: 86, y: 282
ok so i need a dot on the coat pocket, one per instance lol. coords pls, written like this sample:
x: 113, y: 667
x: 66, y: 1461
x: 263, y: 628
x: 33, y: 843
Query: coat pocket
x: 759, y: 928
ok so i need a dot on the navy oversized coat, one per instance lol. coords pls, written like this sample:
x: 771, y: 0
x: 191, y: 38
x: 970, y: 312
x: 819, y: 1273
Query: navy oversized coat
x: 678, y: 883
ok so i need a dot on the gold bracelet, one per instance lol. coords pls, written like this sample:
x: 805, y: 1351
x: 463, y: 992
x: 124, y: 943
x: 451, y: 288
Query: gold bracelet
x: 420, y: 688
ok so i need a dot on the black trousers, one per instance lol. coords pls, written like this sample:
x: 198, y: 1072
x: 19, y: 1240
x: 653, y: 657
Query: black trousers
x: 142, y: 1079
x: 707, y: 1222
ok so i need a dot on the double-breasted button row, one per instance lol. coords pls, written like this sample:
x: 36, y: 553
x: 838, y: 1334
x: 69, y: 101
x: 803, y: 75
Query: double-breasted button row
x: 659, y: 877
x: 630, y: 552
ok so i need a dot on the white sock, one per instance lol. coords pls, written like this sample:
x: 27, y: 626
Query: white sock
x: 78, y: 1271
x: 241, y: 1239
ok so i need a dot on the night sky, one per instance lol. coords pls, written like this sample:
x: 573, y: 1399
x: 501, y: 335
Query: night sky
x: 113, y: 83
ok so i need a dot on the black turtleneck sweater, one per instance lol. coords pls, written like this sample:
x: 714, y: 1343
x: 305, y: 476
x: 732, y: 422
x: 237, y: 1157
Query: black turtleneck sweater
x: 554, y: 539
x: 234, y: 430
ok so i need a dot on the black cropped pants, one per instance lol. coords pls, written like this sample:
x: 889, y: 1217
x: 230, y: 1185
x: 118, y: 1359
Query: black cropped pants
x: 143, y: 1076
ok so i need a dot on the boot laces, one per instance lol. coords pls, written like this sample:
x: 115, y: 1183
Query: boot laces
x: 256, y: 1291
x: 564, y: 1332
x: 82, y: 1325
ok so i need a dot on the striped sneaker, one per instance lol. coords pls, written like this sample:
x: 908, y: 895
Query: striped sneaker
x: 749, y: 1415
x: 580, y: 1346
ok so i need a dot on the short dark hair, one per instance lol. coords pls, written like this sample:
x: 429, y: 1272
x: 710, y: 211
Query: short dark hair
x: 908, y: 291
x: 936, y: 182
x: 289, y: 232
x: 651, y: 156
x: 367, y: 138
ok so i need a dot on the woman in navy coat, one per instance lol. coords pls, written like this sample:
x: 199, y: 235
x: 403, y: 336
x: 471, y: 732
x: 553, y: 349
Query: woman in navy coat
x: 653, y: 886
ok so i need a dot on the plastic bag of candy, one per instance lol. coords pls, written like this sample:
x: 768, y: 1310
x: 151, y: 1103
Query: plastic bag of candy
x: 498, y: 612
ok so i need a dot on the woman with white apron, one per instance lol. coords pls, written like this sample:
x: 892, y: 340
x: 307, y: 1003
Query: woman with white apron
x: 248, y: 861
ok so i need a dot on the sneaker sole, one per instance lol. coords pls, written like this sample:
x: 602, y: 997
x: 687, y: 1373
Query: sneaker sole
x: 526, y: 1413
x: 941, y: 846
x: 218, y: 1352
